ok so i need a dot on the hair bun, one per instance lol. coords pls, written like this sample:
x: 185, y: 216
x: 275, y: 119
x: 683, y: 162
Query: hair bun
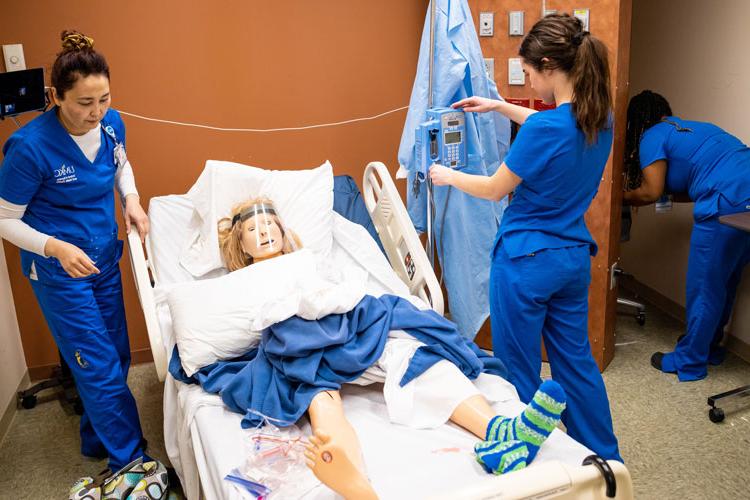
x: 75, y: 41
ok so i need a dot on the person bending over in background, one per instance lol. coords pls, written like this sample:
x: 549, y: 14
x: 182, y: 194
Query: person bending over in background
x: 702, y: 163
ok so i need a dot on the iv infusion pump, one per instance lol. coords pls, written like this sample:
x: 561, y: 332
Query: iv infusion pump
x: 442, y: 139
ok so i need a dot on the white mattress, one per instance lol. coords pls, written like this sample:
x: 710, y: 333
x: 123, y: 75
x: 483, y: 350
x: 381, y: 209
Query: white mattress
x: 204, y: 439
x: 401, y: 462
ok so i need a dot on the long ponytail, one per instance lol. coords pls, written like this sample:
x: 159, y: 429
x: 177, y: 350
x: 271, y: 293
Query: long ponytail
x: 560, y: 39
x: 592, y: 101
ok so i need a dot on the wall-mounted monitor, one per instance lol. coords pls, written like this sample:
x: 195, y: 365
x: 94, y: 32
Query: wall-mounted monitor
x: 21, y: 91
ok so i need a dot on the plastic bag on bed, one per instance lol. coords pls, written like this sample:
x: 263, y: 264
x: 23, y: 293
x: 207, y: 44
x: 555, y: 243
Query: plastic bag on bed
x: 275, y: 465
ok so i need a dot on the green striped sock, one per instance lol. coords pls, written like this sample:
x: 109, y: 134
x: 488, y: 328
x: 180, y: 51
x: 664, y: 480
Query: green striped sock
x: 535, y: 423
x: 500, y: 457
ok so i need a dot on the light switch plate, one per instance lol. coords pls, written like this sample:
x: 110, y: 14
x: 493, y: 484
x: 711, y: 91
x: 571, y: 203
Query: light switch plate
x: 486, y: 23
x: 583, y: 15
x: 515, y: 23
x: 489, y: 64
x: 13, y: 55
x: 515, y: 72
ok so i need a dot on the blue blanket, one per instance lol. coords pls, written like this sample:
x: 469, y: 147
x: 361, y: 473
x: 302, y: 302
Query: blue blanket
x: 297, y: 358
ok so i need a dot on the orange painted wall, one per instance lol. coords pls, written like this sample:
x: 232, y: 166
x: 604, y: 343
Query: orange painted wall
x: 251, y: 64
x: 233, y: 63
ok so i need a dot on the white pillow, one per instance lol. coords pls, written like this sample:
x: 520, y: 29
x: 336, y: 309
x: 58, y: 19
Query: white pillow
x: 304, y: 199
x: 221, y: 318
x: 212, y: 318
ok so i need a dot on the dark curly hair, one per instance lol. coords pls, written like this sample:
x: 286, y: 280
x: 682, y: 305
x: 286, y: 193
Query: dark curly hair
x: 644, y: 111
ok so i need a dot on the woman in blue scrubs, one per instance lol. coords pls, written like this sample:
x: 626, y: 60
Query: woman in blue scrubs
x: 702, y: 163
x: 57, y: 203
x: 541, y: 260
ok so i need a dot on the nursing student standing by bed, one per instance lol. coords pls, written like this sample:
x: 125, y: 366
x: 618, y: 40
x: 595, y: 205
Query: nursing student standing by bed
x: 57, y: 204
x: 697, y: 162
x: 541, y: 262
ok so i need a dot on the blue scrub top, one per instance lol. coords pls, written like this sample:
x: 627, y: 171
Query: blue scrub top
x: 67, y: 196
x: 703, y: 161
x: 561, y: 175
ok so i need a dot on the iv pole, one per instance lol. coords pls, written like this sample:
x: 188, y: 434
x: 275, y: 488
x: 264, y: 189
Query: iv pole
x: 430, y: 200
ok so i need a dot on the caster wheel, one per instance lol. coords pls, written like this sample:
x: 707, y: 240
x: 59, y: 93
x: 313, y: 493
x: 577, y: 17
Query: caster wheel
x: 29, y: 402
x: 641, y: 319
x: 78, y: 406
x: 716, y: 415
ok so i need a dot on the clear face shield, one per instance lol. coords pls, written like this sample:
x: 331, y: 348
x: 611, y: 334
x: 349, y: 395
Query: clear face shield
x: 263, y: 233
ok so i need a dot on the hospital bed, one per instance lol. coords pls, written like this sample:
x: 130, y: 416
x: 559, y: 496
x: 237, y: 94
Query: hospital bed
x: 204, y: 440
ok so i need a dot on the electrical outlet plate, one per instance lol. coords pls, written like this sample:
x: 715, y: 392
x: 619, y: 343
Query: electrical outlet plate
x: 486, y: 23
x: 489, y: 64
x: 613, y: 274
x: 515, y: 72
x: 515, y: 23
x: 13, y: 55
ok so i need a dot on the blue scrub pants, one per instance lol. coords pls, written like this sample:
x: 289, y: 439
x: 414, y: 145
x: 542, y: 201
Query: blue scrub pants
x: 87, y: 320
x: 546, y: 295
x: 718, y: 254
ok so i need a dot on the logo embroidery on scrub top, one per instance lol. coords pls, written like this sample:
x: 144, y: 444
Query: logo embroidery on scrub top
x: 79, y: 359
x: 65, y: 174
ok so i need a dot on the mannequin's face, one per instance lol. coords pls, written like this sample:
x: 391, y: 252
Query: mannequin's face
x: 261, y: 237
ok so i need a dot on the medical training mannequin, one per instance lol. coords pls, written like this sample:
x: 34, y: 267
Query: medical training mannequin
x: 57, y: 184
x: 541, y: 261
x: 254, y: 232
x: 696, y: 162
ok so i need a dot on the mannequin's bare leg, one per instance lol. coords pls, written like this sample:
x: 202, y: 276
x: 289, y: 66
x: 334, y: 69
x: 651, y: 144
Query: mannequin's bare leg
x: 473, y: 414
x: 330, y: 463
x: 327, y: 416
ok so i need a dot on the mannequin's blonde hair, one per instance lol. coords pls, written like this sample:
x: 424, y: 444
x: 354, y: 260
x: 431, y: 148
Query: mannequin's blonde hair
x: 230, y: 237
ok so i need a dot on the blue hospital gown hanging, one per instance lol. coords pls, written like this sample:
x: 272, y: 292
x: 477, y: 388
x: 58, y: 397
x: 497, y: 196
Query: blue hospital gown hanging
x: 465, y: 226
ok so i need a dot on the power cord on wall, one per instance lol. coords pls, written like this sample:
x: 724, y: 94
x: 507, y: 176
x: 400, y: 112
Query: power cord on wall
x: 263, y: 130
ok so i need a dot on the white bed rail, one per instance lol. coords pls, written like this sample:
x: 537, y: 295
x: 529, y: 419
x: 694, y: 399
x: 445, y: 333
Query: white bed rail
x: 550, y: 480
x: 405, y: 252
x: 144, y: 287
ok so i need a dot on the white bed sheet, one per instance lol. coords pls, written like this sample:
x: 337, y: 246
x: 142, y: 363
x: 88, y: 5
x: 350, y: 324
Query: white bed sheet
x: 402, y: 463
x: 203, y: 439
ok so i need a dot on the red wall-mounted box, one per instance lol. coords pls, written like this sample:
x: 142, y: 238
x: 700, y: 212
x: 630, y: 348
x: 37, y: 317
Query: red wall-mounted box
x: 518, y: 101
x: 539, y: 105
